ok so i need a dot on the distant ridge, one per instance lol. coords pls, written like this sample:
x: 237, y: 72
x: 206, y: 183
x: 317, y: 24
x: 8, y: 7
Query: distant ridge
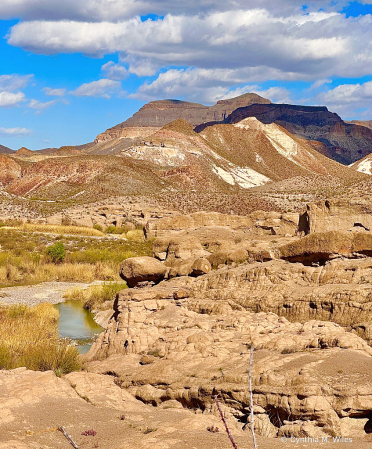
x: 342, y: 141
x: 157, y: 114
x: 366, y: 123
x: 6, y: 150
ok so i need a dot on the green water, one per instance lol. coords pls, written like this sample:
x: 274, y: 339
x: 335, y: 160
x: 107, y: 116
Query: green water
x: 78, y: 324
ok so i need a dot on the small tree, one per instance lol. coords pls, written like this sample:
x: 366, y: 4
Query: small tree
x: 57, y: 252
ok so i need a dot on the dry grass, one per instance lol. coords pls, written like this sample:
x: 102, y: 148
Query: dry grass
x: 96, y: 296
x: 31, y: 272
x: 60, y: 230
x: 29, y: 337
x: 135, y: 235
x: 24, y: 257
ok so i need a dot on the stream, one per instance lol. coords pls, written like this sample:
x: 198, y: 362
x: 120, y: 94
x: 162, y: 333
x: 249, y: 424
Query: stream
x: 78, y: 324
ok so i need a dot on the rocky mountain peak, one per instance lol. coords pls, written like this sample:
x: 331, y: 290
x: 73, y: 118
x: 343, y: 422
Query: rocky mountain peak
x: 157, y: 114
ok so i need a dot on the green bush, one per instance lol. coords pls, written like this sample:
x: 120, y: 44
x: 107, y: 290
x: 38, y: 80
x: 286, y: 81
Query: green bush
x: 116, y: 230
x: 57, y: 252
x: 98, y: 227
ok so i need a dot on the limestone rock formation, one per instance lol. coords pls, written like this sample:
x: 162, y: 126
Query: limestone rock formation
x: 196, y: 350
x: 273, y: 223
x: 142, y: 269
x: 319, y: 247
x: 334, y: 215
x: 35, y: 404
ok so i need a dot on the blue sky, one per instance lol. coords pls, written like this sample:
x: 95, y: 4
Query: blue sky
x: 69, y: 70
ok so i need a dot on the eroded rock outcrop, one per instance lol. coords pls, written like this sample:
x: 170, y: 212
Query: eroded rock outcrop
x: 188, y: 350
x: 334, y: 215
x: 260, y: 222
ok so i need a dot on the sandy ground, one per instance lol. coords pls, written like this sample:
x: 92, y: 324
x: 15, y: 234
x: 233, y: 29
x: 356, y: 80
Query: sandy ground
x: 32, y: 295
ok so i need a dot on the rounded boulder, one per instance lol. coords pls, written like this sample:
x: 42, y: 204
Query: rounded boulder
x: 142, y: 269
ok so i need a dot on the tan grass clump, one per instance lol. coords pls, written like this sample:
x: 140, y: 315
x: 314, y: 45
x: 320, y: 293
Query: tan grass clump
x: 58, y: 229
x: 29, y: 337
x: 95, y: 296
x: 136, y: 235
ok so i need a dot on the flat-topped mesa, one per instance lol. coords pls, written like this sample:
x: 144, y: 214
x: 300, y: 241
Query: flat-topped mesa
x: 156, y: 114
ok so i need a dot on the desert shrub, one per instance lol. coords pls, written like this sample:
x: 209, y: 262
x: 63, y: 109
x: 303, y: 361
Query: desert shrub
x: 5, y: 358
x: 98, y: 227
x: 12, y: 222
x: 100, y: 255
x: 60, y: 357
x: 17, y: 311
x: 95, y: 296
x: 23, y: 259
x: 136, y: 235
x: 57, y: 252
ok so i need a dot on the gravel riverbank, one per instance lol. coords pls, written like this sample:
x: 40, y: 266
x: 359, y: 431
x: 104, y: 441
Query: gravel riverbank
x: 31, y: 295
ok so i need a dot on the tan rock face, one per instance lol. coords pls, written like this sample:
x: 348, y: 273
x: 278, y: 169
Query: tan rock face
x: 322, y: 246
x: 313, y: 123
x: 198, y: 349
x: 157, y: 114
x: 132, y: 132
x: 258, y: 222
x: 187, y: 339
x: 142, y: 269
x: 10, y: 170
x: 334, y: 215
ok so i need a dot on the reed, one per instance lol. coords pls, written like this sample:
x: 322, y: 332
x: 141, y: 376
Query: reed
x: 29, y: 337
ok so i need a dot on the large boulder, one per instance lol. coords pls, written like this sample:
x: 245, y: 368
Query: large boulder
x: 182, y: 247
x: 320, y: 247
x: 142, y: 269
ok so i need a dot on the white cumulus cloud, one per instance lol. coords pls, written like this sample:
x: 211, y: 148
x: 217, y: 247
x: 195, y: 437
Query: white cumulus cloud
x: 348, y: 100
x: 10, y: 99
x: 101, y: 88
x: 221, y: 40
x: 209, y: 85
x: 15, y: 132
x: 35, y: 104
x: 116, y: 10
x: 10, y: 83
x: 54, y: 92
x: 115, y: 71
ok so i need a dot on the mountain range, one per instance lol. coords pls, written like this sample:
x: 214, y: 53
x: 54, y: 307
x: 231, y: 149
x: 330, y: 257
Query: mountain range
x: 173, y: 152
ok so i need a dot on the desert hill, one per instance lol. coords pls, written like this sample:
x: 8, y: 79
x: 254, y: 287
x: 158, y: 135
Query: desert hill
x: 343, y: 142
x: 363, y: 165
x: 5, y: 150
x: 23, y: 152
x: 224, y: 168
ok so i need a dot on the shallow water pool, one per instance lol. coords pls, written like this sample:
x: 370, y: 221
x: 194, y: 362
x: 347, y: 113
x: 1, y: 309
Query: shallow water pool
x: 78, y: 324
